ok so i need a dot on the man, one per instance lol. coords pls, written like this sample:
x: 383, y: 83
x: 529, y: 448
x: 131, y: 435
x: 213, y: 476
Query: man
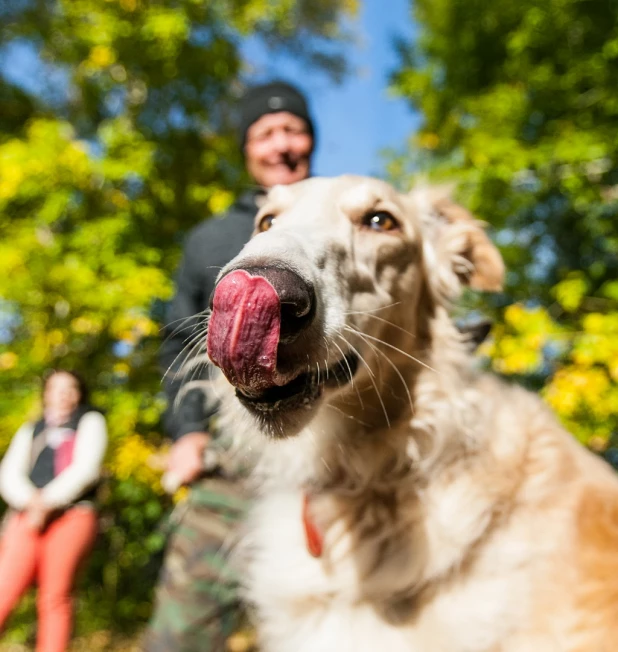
x: 197, y: 607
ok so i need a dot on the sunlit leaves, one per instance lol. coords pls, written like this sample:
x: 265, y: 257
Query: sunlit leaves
x: 571, y: 291
x: 520, y: 108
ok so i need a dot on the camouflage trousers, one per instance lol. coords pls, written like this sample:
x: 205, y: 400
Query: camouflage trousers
x: 197, y: 606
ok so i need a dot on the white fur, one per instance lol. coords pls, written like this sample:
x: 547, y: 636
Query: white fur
x: 446, y: 520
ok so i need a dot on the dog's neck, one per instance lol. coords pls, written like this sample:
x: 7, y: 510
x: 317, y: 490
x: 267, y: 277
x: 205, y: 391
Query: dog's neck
x: 350, y: 445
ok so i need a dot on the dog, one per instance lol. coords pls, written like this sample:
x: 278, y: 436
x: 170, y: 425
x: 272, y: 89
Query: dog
x: 406, y: 501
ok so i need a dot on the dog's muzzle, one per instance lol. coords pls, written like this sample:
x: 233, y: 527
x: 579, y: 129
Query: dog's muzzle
x: 253, y: 311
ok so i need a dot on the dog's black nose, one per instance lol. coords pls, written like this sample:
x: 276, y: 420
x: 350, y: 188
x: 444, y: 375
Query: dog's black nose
x: 297, y: 297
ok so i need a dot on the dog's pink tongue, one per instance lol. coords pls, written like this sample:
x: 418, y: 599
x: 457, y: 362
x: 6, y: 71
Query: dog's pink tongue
x: 243, y: 332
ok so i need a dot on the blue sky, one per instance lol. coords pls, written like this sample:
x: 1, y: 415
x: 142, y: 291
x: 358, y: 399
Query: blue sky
x: 357, y: 119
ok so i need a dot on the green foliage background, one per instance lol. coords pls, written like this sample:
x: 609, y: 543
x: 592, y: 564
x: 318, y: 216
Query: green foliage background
x: 520, y: 108
x: 124, y: 142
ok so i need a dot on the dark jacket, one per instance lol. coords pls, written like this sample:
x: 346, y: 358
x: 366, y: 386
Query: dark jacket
x: 208, y: 247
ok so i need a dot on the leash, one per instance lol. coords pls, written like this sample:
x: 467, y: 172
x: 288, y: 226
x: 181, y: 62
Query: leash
x: 313, y: 536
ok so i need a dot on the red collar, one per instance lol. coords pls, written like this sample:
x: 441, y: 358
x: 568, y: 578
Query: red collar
x: 313, y: 536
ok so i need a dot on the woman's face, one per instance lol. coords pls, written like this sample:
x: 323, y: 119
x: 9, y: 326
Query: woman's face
x: 61, y: 392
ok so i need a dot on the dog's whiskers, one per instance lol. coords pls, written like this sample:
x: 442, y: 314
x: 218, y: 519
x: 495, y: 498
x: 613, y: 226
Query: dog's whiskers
x: 190, y: 327
x: 326, y: 365
x: 395, y: 348
x: 371, y: 377
x: 365, y: 312
x: 390, y: 362
x: 199, y: 363
x: 202, y: 313
x: 348, y: 416
x: 313, y: 439
x: 197, y: 384
x: 211, y: 371
x: 190, y: 383
x: 194, y: 360
x: 385, y: 321
x: 184, y: 353
x: 351, y: 374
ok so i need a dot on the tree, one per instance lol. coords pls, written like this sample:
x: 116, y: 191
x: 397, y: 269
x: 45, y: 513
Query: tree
x: 520, y: 108
x: 121, y: 141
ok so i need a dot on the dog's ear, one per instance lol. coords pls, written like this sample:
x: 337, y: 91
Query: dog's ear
x: 485, y: 268
x: 460, y: 248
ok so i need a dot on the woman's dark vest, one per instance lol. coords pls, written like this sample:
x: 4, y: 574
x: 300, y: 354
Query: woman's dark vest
x: 47, y: 444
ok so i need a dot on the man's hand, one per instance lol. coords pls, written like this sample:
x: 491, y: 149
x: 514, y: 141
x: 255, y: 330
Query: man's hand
x: 185, y: 462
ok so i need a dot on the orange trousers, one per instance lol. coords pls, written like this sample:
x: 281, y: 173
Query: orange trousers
x: 50, y: 558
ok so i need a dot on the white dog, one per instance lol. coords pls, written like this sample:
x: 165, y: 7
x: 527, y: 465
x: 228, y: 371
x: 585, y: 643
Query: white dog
x: 407, y: 503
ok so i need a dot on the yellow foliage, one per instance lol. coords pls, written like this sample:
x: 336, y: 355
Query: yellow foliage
x: 571, y: 387
x: 515, y: 314
x: 529, y: 320
x: 612, y: 367
x: 428, y: 141
x: 56, y: 337
x: 571, y: 291
x: 584, y: 388
x: 8, y: 360
x: 520, y: 361
x: 220, y: 201
x: 601, y: 324
x: 133, y: 326
x: 131, y: 459
x: 86, y: 326
x: 10, y: 178
x: 121, y: 369
x: 129, y: 5
x: 518, y: 344
x: 11, y: 259
x: 119, y: 199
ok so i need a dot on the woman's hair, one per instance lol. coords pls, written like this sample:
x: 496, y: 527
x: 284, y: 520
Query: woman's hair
x: 84, y: 393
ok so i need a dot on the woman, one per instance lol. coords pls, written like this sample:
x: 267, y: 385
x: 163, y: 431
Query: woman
x: 47, y: 478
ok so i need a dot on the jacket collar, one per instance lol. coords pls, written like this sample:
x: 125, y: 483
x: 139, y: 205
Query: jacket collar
x: 248, y: 201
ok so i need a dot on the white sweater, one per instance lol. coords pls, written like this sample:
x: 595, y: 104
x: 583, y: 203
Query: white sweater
x: 85, y: 468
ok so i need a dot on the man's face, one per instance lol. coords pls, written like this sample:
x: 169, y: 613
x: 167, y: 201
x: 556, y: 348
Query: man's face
x: 278, y: 149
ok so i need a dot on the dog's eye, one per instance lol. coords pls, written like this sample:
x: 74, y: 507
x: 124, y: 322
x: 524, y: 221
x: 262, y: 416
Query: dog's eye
x: 266, y: 222
x: 380, y: 221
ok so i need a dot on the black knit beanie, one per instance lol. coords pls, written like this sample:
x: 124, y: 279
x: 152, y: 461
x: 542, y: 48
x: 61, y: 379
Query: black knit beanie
x: 272, y: 98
